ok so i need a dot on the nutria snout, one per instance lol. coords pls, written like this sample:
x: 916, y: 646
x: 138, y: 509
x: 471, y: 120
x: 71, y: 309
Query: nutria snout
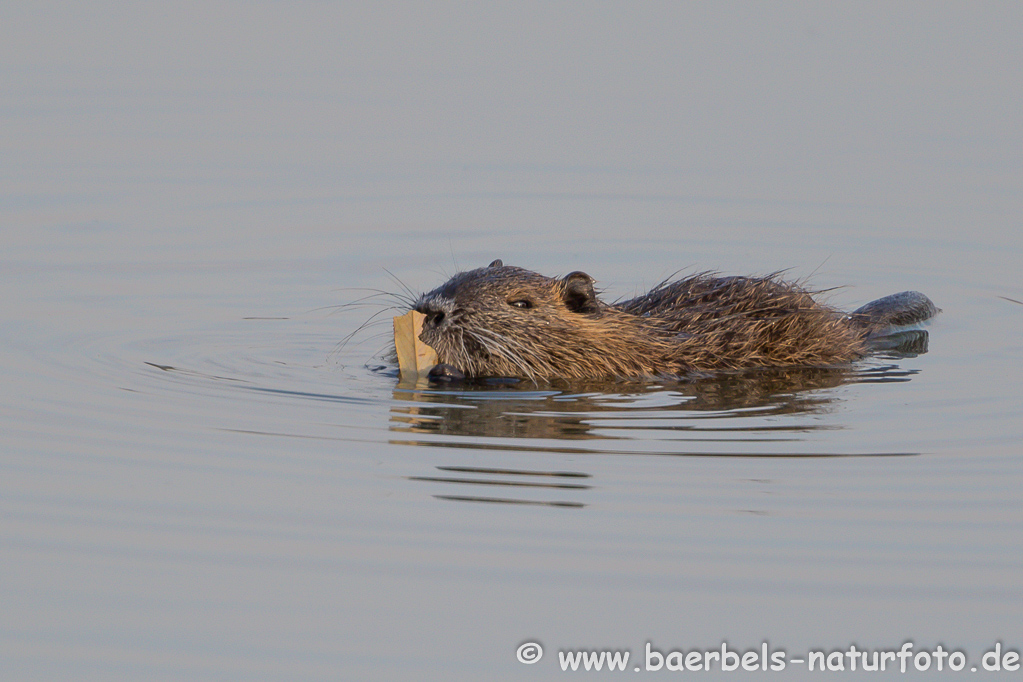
x: 509, y: 322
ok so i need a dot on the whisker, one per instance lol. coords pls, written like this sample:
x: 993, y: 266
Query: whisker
x: 412, y: 295
x: 344, y: 341
x: 490, y: 343
x: 398, y: 298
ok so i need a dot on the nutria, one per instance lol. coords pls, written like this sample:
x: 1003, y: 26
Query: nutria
x: 502, y: 321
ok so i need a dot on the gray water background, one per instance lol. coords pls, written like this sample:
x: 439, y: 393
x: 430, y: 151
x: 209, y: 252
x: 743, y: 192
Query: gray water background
x: 198, y: 482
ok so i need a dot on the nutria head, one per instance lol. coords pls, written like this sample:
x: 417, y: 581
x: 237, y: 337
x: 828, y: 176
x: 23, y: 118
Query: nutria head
x: 507, y: 321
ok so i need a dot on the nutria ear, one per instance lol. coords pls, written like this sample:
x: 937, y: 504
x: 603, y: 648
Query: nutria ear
x: 579, y: 296
x: 496, y: 264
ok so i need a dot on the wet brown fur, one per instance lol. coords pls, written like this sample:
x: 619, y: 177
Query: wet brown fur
x: 507, y: 321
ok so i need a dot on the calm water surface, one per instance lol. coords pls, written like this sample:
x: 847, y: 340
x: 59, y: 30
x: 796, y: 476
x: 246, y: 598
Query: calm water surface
x: 200, y: 480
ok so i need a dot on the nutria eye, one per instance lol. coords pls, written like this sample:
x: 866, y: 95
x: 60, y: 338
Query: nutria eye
x: 521, y: 303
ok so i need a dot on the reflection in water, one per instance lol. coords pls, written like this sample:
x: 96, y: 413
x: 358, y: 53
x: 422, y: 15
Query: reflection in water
x: 758, y: 413
x: 505, y: 472
x: 508, y: 477
x: 901, y: 344
x: 509, y: 500
x: 608, y: 411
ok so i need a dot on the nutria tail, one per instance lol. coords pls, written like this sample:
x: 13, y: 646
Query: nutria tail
x: 886, y: 315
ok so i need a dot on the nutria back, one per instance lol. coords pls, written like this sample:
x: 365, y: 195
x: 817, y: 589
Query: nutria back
x: 510, y: 322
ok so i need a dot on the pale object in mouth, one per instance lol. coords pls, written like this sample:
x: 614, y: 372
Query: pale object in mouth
x: 415, y: 358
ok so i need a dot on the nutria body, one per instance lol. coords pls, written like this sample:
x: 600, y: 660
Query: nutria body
x: 503, y: 321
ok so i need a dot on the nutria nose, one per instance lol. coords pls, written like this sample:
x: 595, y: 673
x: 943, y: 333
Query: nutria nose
x: 434, y: 316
